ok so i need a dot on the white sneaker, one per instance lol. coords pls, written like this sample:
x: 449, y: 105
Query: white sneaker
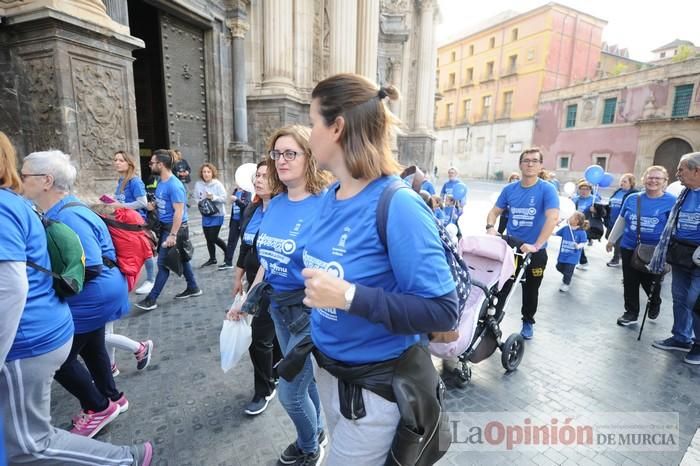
x: 564, y: 287
x: 582, y: 266
x: 145, y: 288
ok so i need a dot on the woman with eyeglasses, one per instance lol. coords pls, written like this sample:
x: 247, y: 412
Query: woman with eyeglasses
x: 297, y: 185
x: 642, y: 219
x: 264, y: 349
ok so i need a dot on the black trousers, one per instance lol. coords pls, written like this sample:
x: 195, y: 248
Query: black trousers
x: 264, y: 353
x: 531, y: 287
x: 78, y: 380
x: 212, y: 236
x: 631, y: 279
x: 234, y: 231
x: 567, y: 270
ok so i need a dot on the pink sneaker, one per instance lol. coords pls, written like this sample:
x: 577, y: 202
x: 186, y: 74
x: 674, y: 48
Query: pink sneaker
x: 89, y: 423
x: 143, y: 454
x: 123, y: 404
x: 143, y: 355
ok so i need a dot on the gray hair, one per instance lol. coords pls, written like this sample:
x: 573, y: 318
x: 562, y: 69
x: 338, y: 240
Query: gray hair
x: 692, y: 160
x: 54, y: 163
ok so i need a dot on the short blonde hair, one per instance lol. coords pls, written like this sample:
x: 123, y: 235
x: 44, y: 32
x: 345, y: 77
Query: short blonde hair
x: 9, y: 178
x: 655, y: 168
x: 316, y: 179
x: 366, y: 135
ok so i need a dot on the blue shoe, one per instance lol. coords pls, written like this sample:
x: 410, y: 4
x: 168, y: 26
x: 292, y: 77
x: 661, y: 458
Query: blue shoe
x: 671, y: 344
x: 527, y: 331
x: 693, y: 356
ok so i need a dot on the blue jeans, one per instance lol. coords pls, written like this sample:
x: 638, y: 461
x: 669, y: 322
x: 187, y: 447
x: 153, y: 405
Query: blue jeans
x: 685, y: 289
x: 567, y: 270
x: 164, y: 274
x: 300, y: 396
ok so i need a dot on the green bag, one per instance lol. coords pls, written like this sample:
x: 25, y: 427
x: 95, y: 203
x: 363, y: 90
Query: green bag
x: 67, y: 258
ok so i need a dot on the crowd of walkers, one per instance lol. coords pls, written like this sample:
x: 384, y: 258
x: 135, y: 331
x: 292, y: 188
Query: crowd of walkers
x: 339, y: 317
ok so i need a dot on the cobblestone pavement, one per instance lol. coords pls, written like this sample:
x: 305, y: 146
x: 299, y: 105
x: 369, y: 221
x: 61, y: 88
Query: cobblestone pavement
x: 580, y: 361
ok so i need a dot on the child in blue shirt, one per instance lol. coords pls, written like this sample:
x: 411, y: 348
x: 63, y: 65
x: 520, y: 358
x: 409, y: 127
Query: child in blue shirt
x: 573, y: 239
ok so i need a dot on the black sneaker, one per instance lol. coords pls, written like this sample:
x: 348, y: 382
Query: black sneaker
x: 147, y: 304
x: 322, y: 439
x: 291, y: 454
x: 627, y: 319
x: 613, y: 263
x: 256, y: 406
x: 654, y: 312
x: 225, y: 266
x: 208, y: 263
x: 310, y: 459
x: 189, y: 293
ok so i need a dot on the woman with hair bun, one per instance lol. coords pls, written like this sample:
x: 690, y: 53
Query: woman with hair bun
x: 372, y: 302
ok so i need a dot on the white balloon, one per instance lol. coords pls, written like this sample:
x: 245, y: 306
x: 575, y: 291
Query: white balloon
x: 566, y: 208
x: 675, y: 188
x: 452, y: 231
x: 570, y: 188
x: 245, y: 175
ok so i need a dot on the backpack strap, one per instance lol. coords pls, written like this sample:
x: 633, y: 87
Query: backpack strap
x: 106, y: 261
x: 383, y: 208
x: 124, y: 226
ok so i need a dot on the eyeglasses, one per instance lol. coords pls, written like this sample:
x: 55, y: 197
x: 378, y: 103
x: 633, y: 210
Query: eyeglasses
x: 530, y: 161
x: 656, y: 178
x: 26, y: 175
x: 288, y: 155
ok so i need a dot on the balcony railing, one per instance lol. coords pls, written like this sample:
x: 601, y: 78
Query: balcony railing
x: 509, y: 71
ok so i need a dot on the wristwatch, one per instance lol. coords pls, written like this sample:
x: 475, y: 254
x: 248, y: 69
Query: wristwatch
x: 489, y: 226
x: 349, y: 296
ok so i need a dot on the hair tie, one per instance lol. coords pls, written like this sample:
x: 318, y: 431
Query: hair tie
x: 382, y: 94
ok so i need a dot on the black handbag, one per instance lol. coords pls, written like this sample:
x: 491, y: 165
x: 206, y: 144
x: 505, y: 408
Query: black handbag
x: 642, y: 254
x: 681, y: 254
x: 207, y: 208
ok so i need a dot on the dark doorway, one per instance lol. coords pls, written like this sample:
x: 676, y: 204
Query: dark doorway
x: 148, y: 82
x: 669, y: 153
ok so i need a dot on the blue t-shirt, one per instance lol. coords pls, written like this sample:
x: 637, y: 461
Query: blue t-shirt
x: 451, y: 214
x: 568, y: 253
x: 253, y: 226
x: 439, y: 214
x: 345, y: 242
x: 45, y: 324
x: 106, y: 297
x: 448, y: 188
x: 584, y: 204
x: 527, y: 208
x: 428, y: 186
x: 615, y: 204
x: 688, y: 224
x: 168, y: 193
x: 654, y: 214
x: 134, y: 189
x: 244, y: 197
x: 283, y: 234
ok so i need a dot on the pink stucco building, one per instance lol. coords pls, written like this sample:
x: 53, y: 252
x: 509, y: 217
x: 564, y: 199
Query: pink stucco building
x: 623, y: 123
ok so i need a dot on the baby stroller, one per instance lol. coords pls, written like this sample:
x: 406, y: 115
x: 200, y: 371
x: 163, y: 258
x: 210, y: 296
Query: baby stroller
x: 495, y: 266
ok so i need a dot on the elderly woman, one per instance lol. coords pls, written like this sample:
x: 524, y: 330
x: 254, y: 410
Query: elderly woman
x: 49, y: 177
x: 642, y: 218
x: 36, y: 334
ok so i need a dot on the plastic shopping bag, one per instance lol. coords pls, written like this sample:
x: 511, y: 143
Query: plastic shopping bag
x: 234, y: 341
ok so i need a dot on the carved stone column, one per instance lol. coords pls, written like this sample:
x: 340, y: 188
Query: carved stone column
x: 239, y: 151
x: 343, y: 35
x: 304, y: 44
x: 426, y: 67
x: 367, y: 38
x: 118, y: 10
x: 92, y: 11
x: 278, y: 60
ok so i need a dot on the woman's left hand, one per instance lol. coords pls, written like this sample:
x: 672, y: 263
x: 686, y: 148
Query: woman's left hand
x: 210, y: 196
x: 323, y: 290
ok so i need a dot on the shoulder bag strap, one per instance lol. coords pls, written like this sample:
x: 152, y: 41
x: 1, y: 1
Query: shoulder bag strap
x: 639, y: 222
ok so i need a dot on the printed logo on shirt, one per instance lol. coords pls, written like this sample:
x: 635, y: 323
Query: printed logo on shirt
x: 647, y: 224
x: 568, y: 246
x: 276, y: 248
x: 523, y: 216
x: 689, y: 221
x: 332, y: 267
x: 340, y: 250
x: 295, y: 231
x: 160, y: 203
x: 532, y: 200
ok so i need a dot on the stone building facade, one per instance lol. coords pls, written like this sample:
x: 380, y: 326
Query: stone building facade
x: 213, y: 78
x: 624, y: 123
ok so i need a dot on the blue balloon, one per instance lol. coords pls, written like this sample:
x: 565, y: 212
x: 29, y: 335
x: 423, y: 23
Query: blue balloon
x: 459, y: 191
x: 607, y: 180
x: 594, y: 174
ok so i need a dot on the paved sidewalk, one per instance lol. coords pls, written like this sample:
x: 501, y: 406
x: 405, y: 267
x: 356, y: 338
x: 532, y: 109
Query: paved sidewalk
x: 579, y: 361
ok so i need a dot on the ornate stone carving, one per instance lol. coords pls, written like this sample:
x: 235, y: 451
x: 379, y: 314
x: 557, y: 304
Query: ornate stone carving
x: 42, y: 103
x: 238, y: 27
x: 319, y: 11
x: 587, y: 113
x: 99, y: 98
x: 395, y: 6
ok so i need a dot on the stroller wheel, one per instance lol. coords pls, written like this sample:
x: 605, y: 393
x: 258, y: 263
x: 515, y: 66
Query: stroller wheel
x: 512, y: 352
x: 462, y: 375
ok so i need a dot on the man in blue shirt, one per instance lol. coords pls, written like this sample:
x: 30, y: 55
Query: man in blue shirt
x: 534, y: 211
x: 170, y: 201
x: 449, y: 185
x: 685, y: 285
